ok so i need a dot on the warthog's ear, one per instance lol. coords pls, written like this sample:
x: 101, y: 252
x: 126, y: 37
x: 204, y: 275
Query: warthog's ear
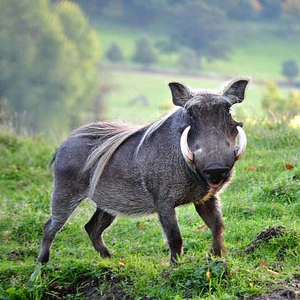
x: 236, y: 90
x: 180, y: 93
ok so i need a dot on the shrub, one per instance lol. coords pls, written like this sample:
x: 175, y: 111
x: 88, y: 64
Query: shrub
x: 144, y: 52
x: 187, y: 60
x: 290, y: 69
x: 278, y: 107
x: 114, y: 53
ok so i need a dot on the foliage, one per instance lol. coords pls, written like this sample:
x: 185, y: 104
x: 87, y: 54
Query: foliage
x: 277, y: 106
x: 48, y: 62
x: 205, y: 278
x: 142, y: 13
x: 188, y: 60
x: 290, y: 69
x: 114, y: 53
x: 144, y: 52
x: 271, y: 9
x: 291, y: 10
x: 201, y: 28
x: 244, y: 10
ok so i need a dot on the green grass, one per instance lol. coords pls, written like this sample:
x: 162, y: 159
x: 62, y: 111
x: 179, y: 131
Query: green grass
x: 128, y: 86
x: 255, y: 200
x: 258, y: 48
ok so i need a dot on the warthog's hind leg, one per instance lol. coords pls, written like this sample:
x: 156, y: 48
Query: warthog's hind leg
x: 210, y: 212
x: 95, y: 227
x: 62, y: 208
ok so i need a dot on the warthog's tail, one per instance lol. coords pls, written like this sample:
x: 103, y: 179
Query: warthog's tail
x: 52, y: 161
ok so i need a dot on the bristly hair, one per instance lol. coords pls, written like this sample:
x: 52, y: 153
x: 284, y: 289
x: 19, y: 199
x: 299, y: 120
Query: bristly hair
x: 106, y: 138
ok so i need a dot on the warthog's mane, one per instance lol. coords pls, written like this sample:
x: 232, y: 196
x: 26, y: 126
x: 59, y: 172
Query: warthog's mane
x: 106, y: 137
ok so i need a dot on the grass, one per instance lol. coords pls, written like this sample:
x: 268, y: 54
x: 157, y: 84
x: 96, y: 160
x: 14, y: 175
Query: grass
x: 155, y: 88
x: 267, y: 195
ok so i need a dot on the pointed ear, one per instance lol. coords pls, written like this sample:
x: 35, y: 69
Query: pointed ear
x: 236, y: 90
x: 180, y: 93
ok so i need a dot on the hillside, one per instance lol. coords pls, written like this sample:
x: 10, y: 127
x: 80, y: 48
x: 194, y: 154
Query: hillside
x: 258, y: 48
x: 263, y: 193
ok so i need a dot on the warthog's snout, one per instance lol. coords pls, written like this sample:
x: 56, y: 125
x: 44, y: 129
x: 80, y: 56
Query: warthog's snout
x: 215, y: 174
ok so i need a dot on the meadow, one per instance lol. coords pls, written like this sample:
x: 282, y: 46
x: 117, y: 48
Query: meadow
x: 258, y: 49
x: 264, y: 193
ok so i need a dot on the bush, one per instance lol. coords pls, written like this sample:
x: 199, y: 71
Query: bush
x: 290, y: 69
x: 278, y: 107
x: 114, y: 53
x: 49, y: 58
x: 144, y: 52
x: 187, y: 60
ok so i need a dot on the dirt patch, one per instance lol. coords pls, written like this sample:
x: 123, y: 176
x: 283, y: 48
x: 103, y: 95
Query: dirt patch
x: 97, y: 288
x: 92, y: 291
x: 265, y: 236
x: 283, y: 291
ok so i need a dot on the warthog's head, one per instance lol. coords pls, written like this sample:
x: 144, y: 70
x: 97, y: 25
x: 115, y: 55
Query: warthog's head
x: 208, y: 142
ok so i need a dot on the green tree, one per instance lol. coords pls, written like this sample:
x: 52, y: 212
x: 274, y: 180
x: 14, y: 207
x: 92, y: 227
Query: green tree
x: 187, y: 60
x: 114, y: 53
x: 144, y: 52
x: 291, y: 11
x: 202, y: 28
x: 46, y: 71
x: 290, y: 69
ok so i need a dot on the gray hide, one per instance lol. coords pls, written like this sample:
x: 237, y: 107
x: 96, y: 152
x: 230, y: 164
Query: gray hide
x: 139, y: 170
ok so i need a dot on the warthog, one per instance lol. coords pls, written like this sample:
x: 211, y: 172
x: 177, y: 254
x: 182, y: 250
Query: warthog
x: 184, y: 157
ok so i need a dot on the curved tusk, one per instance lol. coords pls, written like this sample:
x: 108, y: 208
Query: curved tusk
x: 185, y: 150
x: 242, y: 142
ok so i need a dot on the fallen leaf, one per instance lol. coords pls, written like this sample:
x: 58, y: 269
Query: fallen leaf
x: 289, y: 166
x: 263, y: 166
x: 263, y: 264
x: 201, y: 227
x: 140, y: 224
x: 272, y: 272
x: 252, y: 168
x: 122, y: 262
x: 207, y: 275
x: 251, y: 283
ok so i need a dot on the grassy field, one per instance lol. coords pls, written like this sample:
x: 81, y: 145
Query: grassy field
x: 132, y: 85
x: 264, y: 192
x: 258, y: 49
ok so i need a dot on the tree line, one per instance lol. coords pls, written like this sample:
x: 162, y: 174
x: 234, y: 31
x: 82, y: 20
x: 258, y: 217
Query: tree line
x: 49, y: 57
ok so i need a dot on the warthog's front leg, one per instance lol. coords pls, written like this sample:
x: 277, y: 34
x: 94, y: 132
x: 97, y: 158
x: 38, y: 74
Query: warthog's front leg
x: 171, y: 229
x: 210, y: 212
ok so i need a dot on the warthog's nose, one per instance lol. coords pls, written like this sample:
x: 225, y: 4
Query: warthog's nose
x: 215, y: 174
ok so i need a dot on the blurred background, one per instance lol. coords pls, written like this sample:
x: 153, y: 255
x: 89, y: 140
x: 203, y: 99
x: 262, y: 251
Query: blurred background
x: 66, y: 63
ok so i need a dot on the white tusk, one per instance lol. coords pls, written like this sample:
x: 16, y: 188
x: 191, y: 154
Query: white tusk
x: 242, y: 142
x: 185, y: 150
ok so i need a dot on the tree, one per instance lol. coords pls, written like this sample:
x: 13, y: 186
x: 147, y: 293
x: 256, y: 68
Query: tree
x: 114, y: 53
x: 48, y: 62
x: 142, y: 13
x: 290, y: 69
x: 271, y: 9
x: 144, y: 52
x: 291, y: 11
x: 187, y: 60
x: 202, y: 28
